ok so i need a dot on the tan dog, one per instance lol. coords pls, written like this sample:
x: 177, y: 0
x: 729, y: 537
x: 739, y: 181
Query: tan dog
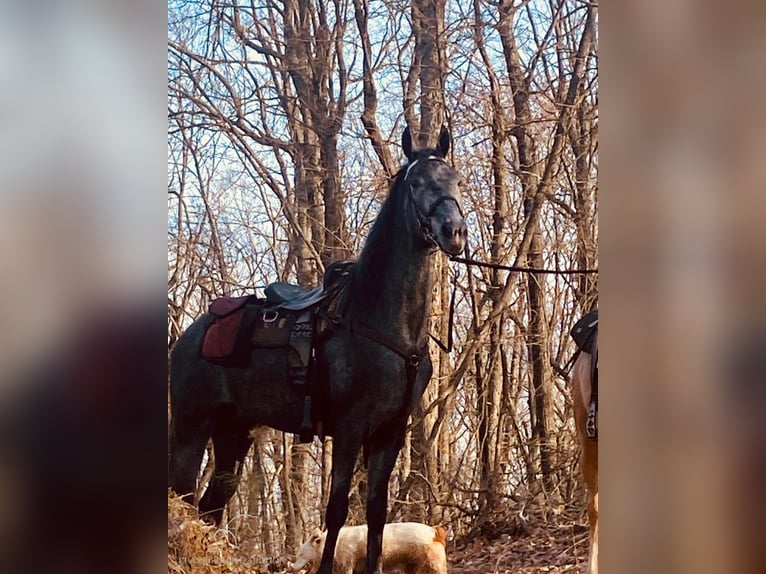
x: 411, y: 547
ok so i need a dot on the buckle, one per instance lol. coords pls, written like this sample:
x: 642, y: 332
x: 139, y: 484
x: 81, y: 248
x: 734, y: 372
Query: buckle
x: 414, y: 360
x: 270, y: 315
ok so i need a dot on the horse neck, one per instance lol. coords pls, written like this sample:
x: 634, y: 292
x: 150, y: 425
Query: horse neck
x: 393, y: 282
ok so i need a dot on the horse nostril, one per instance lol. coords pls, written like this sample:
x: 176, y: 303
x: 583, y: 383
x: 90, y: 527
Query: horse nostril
x: 449, y: 229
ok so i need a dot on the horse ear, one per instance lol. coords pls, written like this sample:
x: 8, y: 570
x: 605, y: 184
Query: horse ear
x: 407, y: 143
x: 444, y: 141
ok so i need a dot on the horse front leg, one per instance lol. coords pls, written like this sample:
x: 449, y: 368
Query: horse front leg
x: 593, y: 511
x: 345, y: 449
x: 381, y: 464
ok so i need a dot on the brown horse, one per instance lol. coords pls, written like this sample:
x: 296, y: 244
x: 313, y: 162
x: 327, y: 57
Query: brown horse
x: 583, y: 375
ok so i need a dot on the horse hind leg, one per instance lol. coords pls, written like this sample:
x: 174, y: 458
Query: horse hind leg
x: 230, y: 445
x: 188, y: 439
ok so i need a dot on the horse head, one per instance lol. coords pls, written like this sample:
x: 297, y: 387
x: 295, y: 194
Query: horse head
x: 433, y: 189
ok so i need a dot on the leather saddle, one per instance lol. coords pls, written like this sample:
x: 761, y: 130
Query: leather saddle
x: 285, y: 319
x: 583, y: 331
x: 293, y: 297
x: 585, y: 334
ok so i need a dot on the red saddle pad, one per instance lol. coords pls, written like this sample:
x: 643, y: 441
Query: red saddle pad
x: 221, y: 335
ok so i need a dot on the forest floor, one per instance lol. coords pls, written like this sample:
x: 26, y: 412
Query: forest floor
x: 552, y: 548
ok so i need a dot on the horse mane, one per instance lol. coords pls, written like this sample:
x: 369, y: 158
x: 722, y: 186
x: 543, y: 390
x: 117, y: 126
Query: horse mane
x: 373, y: 260
x: 377, y: 239
x: 384, y: 221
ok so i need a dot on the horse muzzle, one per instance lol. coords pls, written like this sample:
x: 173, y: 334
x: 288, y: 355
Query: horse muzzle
x: 452, y: 235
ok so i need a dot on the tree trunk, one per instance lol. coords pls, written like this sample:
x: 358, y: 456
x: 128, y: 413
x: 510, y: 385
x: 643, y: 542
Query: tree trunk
x: 429, y: 70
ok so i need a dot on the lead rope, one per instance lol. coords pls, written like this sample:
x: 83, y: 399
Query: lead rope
x: 448, y: 347
x: 469, y: 261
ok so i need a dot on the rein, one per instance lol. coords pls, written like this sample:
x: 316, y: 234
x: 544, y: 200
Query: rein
x: 468, y: 261
x: 448, y: 347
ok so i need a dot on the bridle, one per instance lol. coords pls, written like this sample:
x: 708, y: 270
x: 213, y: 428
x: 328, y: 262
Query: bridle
x: 424, y: 217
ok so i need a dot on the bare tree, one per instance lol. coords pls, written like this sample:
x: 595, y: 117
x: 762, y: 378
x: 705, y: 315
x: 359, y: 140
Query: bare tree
x: 281, y: 117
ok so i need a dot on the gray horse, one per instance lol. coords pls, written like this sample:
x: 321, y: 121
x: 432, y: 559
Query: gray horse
x: 371, y: 369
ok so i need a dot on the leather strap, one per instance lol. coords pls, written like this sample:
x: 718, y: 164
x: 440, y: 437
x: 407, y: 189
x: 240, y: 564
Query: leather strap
x: 411, y: 355
x: 592, y: 422
x: 448, y: 347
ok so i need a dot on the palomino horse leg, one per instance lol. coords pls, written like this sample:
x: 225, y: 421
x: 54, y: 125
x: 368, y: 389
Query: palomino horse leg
x: 188, y: 439
x: 230, y: 445
x: 381, y: 463
x: 345, y: 449
x: 590, y: 472
x: 593, y: 561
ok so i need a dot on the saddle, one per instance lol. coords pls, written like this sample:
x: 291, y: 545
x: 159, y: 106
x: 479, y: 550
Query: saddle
x: 294, y: 297
x: 585, y: 335
x: 583, y: 331
x: 287, y: 318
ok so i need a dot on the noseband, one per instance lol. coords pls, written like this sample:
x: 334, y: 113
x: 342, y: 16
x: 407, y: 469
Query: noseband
x: 424, y: 218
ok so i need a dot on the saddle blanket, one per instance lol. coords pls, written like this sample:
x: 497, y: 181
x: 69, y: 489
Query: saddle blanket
x: 242, y: 324
x: 222, y: 334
